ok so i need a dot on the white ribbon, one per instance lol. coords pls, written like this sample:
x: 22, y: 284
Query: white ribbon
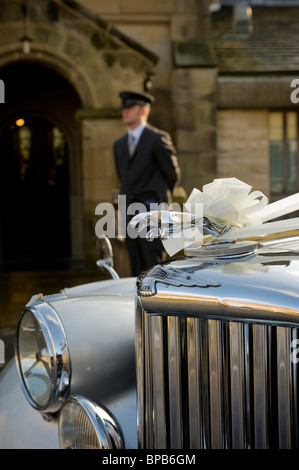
x: 230, y: 201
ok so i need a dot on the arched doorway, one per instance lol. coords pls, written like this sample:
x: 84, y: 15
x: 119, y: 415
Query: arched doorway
x: 34, y: 194
x: 40, y: 146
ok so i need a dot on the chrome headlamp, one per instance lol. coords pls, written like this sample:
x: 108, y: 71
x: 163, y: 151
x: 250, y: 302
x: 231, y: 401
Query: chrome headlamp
x: 42, y: 357
x: 83, y: 424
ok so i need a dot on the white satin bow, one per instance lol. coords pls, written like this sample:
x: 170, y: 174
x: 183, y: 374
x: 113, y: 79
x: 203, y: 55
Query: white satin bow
x: 230, y: 201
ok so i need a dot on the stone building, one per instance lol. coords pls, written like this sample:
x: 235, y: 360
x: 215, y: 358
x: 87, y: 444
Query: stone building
x: 221, y: 73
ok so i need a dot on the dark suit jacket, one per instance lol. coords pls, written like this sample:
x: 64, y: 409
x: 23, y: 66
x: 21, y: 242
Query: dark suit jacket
x: 152, y: 170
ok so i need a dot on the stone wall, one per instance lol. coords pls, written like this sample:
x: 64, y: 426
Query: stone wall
x: 98, y: 64
x: 194, y: 115
x: 243, y: 147
x: 185, y: 93
x: 102, y: 47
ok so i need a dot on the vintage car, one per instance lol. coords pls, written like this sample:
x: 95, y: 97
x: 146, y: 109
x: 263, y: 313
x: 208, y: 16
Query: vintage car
x: 199, y: 352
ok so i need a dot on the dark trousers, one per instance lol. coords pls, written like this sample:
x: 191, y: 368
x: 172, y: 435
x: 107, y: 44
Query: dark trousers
x: 143, y: 254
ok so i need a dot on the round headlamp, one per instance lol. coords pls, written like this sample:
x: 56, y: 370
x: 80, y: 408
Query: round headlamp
x: 83, y: 424
x: 42, y: 358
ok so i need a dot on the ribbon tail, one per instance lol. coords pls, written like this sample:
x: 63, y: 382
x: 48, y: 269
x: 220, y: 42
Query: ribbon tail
x: 178, y: 241
x: 262, y: 229
x: 279, y: 208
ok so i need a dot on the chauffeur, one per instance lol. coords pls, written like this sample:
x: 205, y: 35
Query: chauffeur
x: 148, y: 170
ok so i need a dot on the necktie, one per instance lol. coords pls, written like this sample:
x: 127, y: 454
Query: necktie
x: 131, y: 144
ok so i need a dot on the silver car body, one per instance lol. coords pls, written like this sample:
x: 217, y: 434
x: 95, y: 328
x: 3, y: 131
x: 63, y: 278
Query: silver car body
x: 181, y: 357
x: 100, y: 321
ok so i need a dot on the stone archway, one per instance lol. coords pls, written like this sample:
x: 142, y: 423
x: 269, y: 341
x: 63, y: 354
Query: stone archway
x: 41, y: 225
x: 96, y: 61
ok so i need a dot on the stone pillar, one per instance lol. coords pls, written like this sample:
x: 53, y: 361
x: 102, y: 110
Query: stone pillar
x: 243, y: 146
x: 193, y: 92
x: 98, y: 172
x: 191, y: 20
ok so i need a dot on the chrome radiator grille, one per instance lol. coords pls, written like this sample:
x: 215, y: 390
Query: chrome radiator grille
x: 205, y: 383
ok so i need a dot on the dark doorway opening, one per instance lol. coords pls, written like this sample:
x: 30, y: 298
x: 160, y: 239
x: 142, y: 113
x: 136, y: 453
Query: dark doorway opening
x: 40, y: 144
x: 34, y: 194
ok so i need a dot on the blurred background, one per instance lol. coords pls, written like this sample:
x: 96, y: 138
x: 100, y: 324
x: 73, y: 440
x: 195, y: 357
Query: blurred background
x: 221, y: 72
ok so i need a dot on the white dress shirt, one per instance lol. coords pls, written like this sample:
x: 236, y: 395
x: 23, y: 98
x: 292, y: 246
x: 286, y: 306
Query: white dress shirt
x: 136, y: 133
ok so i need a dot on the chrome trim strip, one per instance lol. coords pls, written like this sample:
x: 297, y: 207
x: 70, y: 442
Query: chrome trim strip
x: 284, y: 389
x: 56, y: 340
x: 236, y: 344
x: 175, y: 380
x: 158, y: 395
x: 194, y: 384
x: 260, y: 390
x: 294, y: 378
x: 140, y: 374
x: 215, y: 384
x: 148, y: 391
x: 220, y: 308
x: 204, y: 383
x: 247, y: 386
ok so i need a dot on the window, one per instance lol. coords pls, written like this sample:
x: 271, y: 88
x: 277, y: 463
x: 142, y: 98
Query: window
x: 284, y: 158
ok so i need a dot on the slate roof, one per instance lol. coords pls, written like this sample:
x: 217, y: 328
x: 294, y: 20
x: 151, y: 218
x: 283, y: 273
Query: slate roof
x: 272, y: 46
